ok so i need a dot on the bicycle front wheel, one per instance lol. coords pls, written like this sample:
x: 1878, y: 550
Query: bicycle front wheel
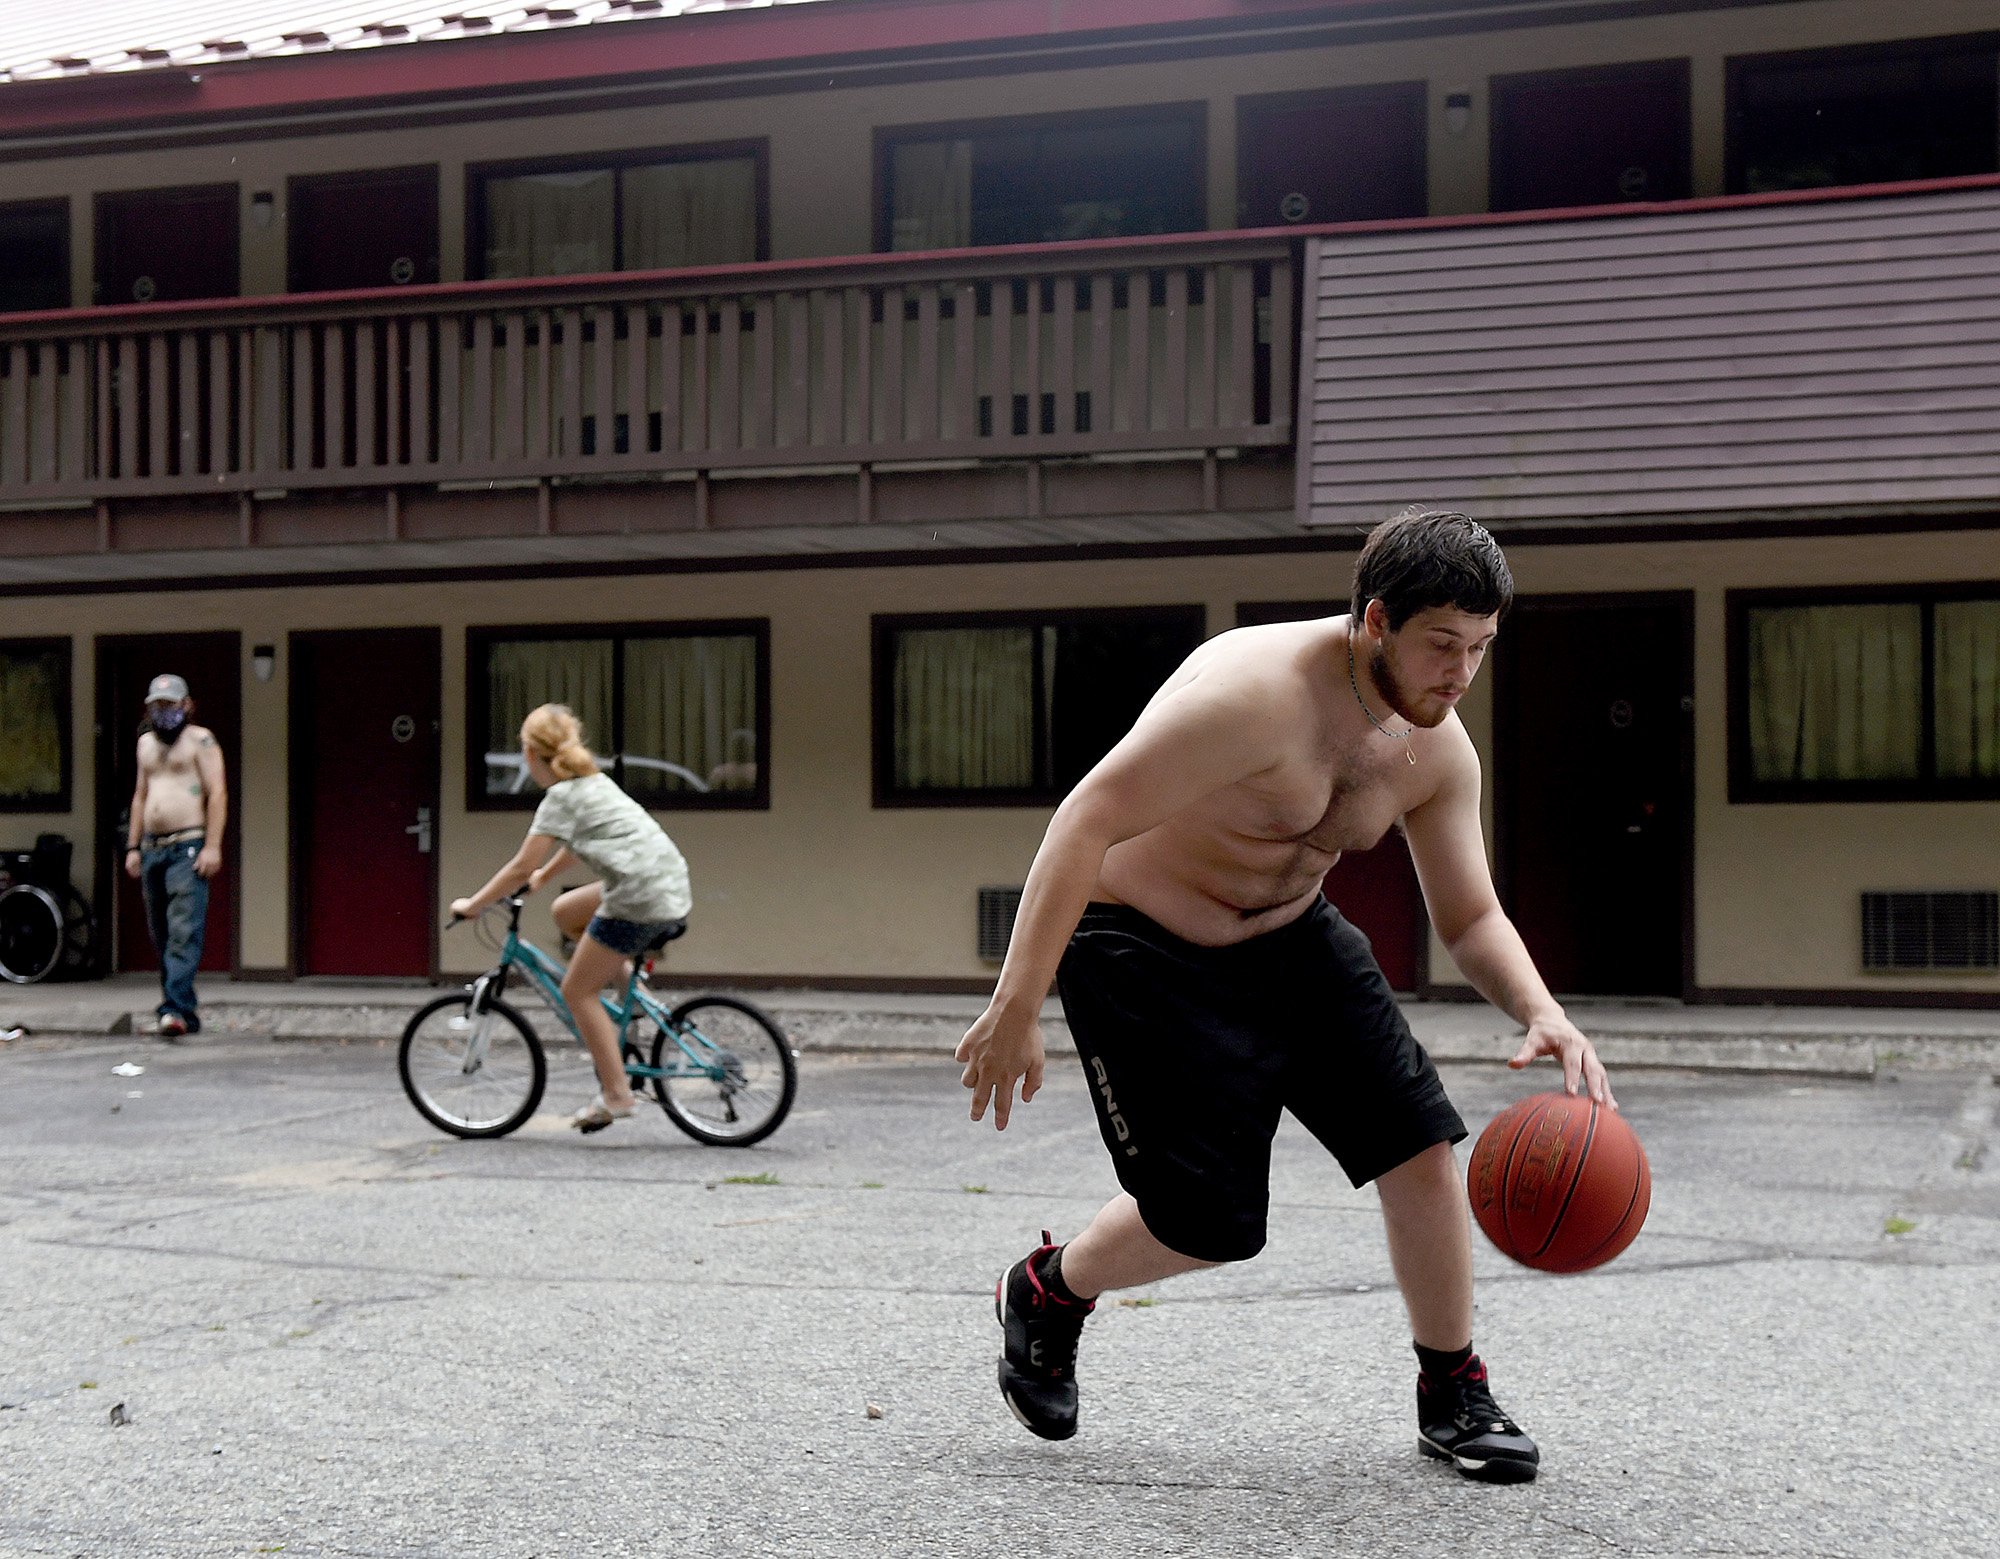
x: 726, y: 1073
x: 472, y: 1074
x: 31, y: 933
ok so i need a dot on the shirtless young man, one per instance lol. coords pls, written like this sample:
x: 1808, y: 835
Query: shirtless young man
x: 174, y: 842
x: 1209, y: 986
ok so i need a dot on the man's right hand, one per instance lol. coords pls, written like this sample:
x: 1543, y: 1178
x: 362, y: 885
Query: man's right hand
x: 998, y: 1051
x: 134, y: 864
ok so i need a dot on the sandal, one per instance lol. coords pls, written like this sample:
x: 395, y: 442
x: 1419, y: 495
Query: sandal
x: 596, y: 1115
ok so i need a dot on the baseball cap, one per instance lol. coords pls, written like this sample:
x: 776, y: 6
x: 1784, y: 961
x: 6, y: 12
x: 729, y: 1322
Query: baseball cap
x: 166, y: 689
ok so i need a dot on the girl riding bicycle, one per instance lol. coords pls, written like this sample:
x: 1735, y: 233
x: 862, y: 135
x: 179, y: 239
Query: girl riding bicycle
x: 642, y: 891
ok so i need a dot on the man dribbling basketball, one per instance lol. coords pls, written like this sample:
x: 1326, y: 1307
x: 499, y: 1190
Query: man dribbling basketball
x: 1176, y: 902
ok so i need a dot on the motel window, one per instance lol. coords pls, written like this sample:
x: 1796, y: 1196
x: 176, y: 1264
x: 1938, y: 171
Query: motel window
x: 634, y: 212
x: 1012, y: 709
x: 34, y: 255
x: 34, y: 725
x: 1890, y: 697
x: 1044, y: 180
x: 1873, y: 116
x: 676, y: 713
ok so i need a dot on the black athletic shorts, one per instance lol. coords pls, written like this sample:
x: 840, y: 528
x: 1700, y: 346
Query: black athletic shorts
x: 1191, y: 1052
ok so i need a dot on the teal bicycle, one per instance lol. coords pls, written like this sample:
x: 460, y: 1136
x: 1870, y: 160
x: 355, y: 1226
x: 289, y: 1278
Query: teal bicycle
x: 473, y: 1066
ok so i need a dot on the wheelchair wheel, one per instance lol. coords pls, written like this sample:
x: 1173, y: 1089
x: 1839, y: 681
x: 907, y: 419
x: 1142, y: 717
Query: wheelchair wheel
x: 32, y: 933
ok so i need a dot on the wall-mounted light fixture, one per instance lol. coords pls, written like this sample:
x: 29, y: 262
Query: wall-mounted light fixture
x: 263, y: 209
x: 264, y: 662
x: 1458, y: 112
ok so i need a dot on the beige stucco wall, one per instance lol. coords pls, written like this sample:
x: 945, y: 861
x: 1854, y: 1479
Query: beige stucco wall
x: 823, y: 884
x: 822, y: 142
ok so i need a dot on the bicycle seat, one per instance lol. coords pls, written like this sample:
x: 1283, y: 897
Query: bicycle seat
x: 674, y: 929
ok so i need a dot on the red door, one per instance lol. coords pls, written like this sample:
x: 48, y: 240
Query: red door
x: 1594, y: 789
x: 373, y: 229
x: 157, y: 245
x: 365, y: 707
x: 1591, y: 137
x: 212, y: 665
x: 1352, y: 155
x: 1377, y: 889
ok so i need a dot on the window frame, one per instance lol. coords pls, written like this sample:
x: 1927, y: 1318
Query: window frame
x: 1737, y: 66
x: 478, y: 692
x: 1194, y: 110
x: 757, y: 148
x: 883, y: 627
x: 1745, y: 789
x: 63, y: 797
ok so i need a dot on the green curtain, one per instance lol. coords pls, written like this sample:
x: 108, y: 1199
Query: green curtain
x: 551, y: 224
x: 31, y: 716
x: 691, y: 713
x: 1965, y: 661
x: 965, y: 709
x: 522, y: 674
x: 1836, y: 692
x: 690, y: 213
x: 930, y: 195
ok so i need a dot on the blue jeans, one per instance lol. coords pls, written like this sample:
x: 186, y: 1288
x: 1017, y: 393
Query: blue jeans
x: 177, y: 915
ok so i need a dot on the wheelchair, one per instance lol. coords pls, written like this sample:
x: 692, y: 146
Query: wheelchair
x: 46, y: 927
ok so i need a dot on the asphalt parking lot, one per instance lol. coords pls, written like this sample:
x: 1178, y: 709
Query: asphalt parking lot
x: 336, y: 1332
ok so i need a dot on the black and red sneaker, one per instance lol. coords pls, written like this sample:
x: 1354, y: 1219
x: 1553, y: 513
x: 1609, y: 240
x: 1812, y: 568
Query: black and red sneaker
x: 1038, y: 1359
x: 1459, y: 1422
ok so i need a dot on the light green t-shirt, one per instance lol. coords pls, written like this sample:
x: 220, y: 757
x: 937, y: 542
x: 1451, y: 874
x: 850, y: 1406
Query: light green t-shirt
x: 645, y: 876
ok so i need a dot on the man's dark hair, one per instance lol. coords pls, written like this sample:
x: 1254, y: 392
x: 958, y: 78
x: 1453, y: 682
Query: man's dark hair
x: 1431, y: 557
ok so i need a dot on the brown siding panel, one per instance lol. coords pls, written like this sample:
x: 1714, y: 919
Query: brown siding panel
x: 1809, y: 358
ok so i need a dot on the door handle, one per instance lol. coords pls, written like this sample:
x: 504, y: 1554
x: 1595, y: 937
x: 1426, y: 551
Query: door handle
x: 422, y: 829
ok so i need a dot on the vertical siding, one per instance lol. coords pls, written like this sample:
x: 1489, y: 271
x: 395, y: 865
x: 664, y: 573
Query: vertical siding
x: 1815, y: 358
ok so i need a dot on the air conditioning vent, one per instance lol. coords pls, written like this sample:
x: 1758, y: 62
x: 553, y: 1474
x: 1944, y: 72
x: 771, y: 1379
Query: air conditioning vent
x: 1905, y: 933
x: 997, y: 907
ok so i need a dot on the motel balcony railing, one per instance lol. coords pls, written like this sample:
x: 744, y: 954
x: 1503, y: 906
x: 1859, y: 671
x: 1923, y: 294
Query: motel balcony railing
x: 1130, y: 346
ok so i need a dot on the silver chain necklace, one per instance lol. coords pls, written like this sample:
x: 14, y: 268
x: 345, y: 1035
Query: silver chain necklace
x: 1355, y: 683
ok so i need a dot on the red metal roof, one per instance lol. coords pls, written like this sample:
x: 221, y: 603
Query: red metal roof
x: 122, y: 36
x: 146, y: 61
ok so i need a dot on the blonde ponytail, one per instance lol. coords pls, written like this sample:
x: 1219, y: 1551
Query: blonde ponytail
x: 556, y: 736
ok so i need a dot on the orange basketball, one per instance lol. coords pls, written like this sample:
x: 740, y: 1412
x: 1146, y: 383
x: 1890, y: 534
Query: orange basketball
x: 1558, y: 1183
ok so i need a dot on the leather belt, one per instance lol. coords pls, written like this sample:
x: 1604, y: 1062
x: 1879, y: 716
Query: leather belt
x: 155, y: 841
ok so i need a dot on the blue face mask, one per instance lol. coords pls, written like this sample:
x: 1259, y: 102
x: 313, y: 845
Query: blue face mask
x: 167, y: 723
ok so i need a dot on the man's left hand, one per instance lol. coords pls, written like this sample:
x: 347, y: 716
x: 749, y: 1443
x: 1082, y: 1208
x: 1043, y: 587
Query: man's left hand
x: 1557, y: 1036
x: 209, y: 862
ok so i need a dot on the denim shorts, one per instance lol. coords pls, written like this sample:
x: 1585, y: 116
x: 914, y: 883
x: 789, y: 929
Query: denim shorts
x: 629, y: 937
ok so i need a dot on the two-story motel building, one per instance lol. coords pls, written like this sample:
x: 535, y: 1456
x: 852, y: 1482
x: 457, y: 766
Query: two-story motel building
x: 853, y: 407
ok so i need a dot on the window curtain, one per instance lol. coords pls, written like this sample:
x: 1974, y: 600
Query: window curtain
x: 1836, y: 692
x: 931, y: 195
x: 551, y: 224
x: 691, y: 706
x: 522, y: 674
x: 31, y: 718
x: 965, y: 709
x: 690, y: 213
x: 1966, y: 678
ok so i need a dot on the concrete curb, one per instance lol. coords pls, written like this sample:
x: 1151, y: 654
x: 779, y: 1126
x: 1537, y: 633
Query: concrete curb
x: 852, y: 1026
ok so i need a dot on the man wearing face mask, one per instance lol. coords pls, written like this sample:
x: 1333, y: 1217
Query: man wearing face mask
x: 174, y: 842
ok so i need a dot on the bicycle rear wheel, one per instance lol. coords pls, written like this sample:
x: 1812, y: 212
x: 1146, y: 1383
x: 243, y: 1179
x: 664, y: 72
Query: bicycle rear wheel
x: 472, y: 1074
x: 727, y: 1076
x: 31, y: 933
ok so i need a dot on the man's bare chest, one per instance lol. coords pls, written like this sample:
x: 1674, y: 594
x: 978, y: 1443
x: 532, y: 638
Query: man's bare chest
x: 1332, y: 803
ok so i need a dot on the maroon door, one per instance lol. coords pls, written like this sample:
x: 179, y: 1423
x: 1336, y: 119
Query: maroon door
x: 1591, y: 137
x: 1377, y: 889
x: 373, y: 229
x: 157, y: 245
x: 212, y: 664
x: 1593, y: 789
x: 365, y: 801
x: 1352, y: 155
